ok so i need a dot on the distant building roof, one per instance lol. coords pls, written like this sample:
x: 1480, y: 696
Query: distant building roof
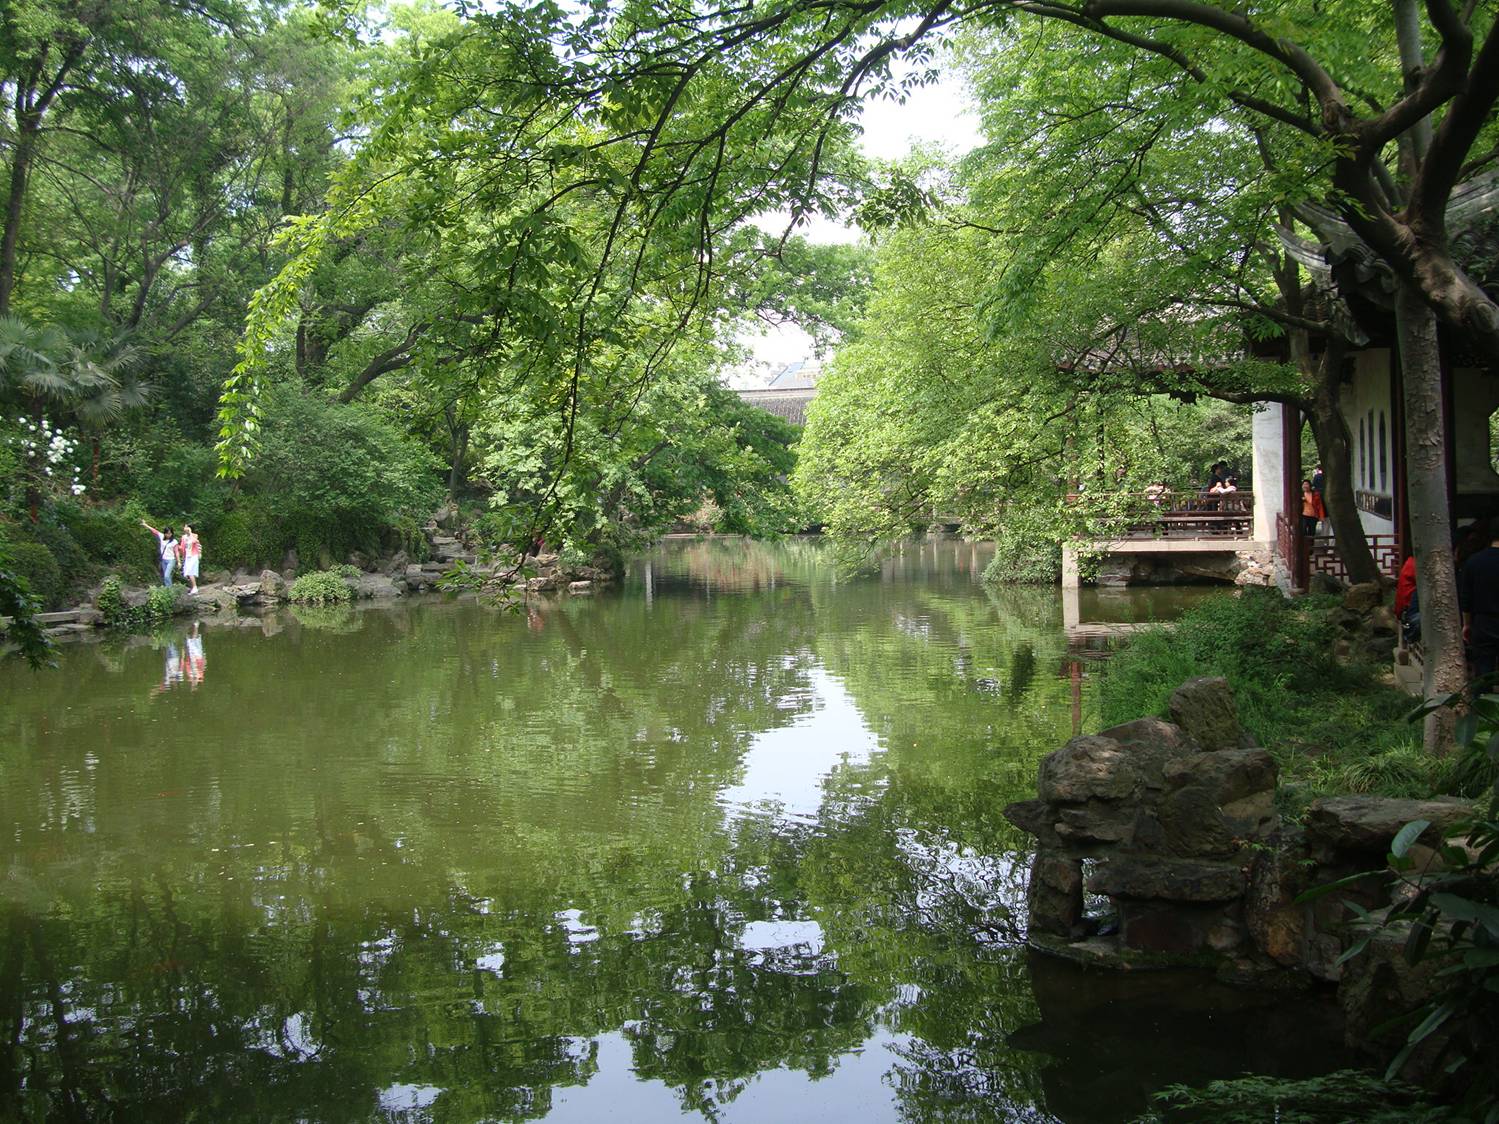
x: 787, y: 404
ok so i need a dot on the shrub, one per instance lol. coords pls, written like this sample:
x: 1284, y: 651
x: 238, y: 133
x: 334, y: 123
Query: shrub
x: 245, y: 538
x: 111, y: 603
x: 161, y: 603
x: 1332, y: 725
x: 111, y: 537
x: 35, y: 563
x: 18, y: 603
x: 1024, y: 555
x: 343, y: 478
x: 182, y: 484
x: 321, y: 587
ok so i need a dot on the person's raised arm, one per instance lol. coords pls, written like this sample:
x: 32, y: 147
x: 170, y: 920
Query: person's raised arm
x: 150, y: 528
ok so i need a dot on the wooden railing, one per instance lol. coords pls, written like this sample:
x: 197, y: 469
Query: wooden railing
x: 1168, y: 515
x: 1323, y: 556
x: 1319, y: 553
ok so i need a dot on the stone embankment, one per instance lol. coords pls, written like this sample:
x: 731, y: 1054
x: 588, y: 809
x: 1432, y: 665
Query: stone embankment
x: 1170, y: 831
x: 452, y: 560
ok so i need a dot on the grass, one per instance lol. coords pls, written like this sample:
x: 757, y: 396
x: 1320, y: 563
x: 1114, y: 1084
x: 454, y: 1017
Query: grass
x: 1334, y: 726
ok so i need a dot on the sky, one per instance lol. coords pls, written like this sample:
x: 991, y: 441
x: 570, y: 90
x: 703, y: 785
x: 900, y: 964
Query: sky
x: 942, y: 114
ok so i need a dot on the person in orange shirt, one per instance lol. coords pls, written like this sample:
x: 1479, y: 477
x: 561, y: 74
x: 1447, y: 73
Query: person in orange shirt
x: 1312, y: 511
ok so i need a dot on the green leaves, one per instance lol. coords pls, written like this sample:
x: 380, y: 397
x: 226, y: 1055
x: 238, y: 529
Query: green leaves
x: 1407, y: 836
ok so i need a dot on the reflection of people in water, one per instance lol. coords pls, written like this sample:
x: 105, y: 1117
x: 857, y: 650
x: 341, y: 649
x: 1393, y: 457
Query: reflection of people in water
x: 187, y: 664
x: 194, y: 663
x: 171, y: 674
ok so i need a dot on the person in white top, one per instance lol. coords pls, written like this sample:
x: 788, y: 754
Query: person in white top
x: 190, y: 550
x: 166, y: 551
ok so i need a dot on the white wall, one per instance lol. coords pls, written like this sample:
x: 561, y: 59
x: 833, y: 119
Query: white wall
x: 1267, y: 468
x: 1367, y: 407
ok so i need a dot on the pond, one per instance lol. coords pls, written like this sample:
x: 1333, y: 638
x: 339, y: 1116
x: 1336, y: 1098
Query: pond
x: 722, y: 845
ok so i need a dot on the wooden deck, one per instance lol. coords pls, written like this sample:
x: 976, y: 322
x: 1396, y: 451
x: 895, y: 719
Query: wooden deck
x: 1163, y: 523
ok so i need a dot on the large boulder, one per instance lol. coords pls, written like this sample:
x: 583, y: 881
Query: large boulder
x: 1204, y: 710
x: 1240, y: 782
x: 377, y: 586
x: 1172, y: 880
x: 1034, y: 817
x: 1179, y: 932
x: 1087, y: 768
x: 1230, y: 775
x: 272, y: 586
x: 1363, y: 597
x: 1054, y: 895
x: 1366, y: 825
x: 1276, y: 921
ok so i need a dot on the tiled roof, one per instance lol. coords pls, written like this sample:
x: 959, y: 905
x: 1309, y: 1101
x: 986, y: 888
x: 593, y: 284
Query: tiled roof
x: 789, y: 405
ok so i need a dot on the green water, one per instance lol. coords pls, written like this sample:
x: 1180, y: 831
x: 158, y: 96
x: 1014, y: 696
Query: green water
x: 723, y: 845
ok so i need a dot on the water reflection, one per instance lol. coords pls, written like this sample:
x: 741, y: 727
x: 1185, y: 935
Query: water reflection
x: 184, y: 661
x: 729, y: 853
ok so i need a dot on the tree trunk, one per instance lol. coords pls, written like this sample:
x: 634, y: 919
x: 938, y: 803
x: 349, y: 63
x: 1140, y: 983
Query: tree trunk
x: 1333, y: 447
x: 1446, y: 668
x: 20, y: 169
x: 458, y: 451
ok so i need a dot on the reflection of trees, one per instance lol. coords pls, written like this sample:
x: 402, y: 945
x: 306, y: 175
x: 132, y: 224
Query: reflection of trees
x: 444, y: 850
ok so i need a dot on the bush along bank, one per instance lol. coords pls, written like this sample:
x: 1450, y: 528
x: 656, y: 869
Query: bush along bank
x: 1312, y: 681
x: 1394, y: 902
x: 445, y: 557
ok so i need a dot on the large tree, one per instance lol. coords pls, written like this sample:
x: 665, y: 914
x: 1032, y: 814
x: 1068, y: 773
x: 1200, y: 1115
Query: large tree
x: 680, y: 122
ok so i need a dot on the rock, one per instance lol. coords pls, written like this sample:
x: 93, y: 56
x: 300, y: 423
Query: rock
x: 243, y: 593
x: 1366, y: 825
x: 291, y: 562
x: 1189, y: 822
x: 1379, y: 985
x: 1346, y: 620
x: 1276, y: 923
x: 1033, y: 817
x: 1363, y: 597
x: 1229, y: 775
x: 1324, y: 583
x: 272, y: 586
x: 1171, y: 880
x: 218, y: 598
x: 1096, y: 821
x: 580, y: 587
x: 1152, y: 743
x: 1087, y: 768
x: 1054, y: 895
x: 1382, y: 621
x: 377, y: 586
x: 447, y: 517
x: 1379, y: 648
x: 1172, y: 929
x: 1204, y: 710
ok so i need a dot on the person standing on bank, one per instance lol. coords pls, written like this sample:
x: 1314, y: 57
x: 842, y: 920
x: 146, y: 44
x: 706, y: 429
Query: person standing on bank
x: 1478, y: 598
x: 190, y: 550
x: 166, y: 551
